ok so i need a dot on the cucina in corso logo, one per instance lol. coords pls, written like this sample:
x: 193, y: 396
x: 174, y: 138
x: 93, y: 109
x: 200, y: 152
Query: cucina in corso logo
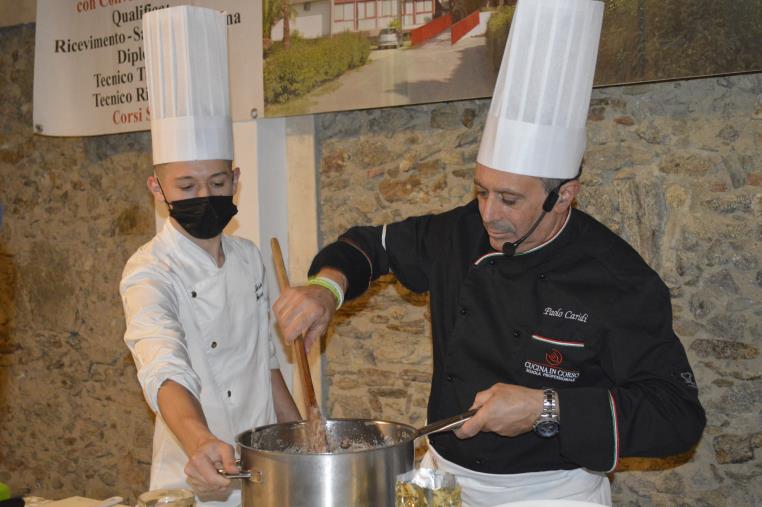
x: 554, y: 357
x: 551, y: 367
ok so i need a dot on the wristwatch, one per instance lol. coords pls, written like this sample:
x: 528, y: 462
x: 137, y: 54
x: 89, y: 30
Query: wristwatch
x: 548, y: 423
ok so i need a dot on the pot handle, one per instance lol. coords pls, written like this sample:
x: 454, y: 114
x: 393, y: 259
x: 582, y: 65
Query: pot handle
x: 243, y: 474
x: 254, y: 476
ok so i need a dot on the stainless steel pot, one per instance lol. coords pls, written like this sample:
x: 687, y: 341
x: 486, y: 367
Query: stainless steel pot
x: 276, y: 475
x: 278, y: 472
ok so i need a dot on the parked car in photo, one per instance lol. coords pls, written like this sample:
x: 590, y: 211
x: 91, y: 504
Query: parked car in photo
x: 389, y: 38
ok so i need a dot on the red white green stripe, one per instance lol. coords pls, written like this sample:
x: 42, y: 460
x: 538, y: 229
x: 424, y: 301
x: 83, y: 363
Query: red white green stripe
x: 615, y: 426
x: 561, y: 343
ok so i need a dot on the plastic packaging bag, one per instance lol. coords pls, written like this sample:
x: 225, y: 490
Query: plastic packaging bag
x: 426, y: 487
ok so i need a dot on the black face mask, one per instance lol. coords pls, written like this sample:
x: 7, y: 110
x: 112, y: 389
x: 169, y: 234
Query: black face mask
x: 203, y: 217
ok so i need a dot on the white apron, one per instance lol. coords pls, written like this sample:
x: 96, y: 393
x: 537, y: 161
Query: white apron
x: 491, y: 490
x: 206, y: 328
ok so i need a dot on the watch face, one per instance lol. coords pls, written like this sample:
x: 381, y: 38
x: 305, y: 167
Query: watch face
x: 546, y: 429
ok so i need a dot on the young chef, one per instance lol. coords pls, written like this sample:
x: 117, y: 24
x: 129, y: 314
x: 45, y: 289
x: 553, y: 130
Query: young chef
x: 195, y: 300
x: 542, y: 318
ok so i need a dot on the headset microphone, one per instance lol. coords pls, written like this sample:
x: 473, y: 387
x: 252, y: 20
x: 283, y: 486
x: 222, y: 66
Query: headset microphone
x: 550, y: 201
x: 509, y: 249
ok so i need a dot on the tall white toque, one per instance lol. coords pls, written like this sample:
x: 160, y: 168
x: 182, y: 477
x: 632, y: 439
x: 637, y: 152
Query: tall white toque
x: 536, y: 122
x: 186, y: 57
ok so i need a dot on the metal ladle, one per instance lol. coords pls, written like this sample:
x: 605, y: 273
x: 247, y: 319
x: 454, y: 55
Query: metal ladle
x: 448, y: 424
x: 440, y: 426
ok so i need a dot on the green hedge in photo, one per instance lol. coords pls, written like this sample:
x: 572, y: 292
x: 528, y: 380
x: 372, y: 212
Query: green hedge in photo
x: 462, y: 8
x: 498, y: 26
x: 308, y: 63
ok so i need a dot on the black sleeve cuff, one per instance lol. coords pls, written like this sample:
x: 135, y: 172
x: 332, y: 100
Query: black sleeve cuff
x: 589, y: 433
x: 348, y: 259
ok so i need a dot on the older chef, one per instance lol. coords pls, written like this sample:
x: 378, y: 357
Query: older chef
x: 543, y: 319
x: 195, y: 300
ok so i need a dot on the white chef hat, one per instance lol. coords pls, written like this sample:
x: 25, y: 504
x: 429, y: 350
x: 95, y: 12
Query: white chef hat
x: 536, y: 122
x: 186, y: 57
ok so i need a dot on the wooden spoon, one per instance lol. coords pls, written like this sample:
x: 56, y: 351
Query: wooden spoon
x: 313, y: 410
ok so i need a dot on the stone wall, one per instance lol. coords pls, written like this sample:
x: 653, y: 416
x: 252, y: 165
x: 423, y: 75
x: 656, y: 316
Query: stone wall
x: 674, y: 168
x: 73, y: 418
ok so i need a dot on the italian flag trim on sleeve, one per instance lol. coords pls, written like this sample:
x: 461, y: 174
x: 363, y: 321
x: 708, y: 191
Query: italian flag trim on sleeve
x: 615, y: 428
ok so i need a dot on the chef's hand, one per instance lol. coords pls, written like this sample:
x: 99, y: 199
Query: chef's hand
x: 507, y: 410
x: 202, y: 466
x: 307, y: 310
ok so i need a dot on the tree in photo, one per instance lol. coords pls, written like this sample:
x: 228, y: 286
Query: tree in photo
x: 286, y: 27
x: 272, y: 12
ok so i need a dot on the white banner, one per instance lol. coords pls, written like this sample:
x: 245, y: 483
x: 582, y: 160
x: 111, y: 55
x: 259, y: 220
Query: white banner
x: 89, y: 72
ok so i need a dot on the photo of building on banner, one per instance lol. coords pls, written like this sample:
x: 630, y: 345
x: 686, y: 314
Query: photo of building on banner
x: 333, y: 55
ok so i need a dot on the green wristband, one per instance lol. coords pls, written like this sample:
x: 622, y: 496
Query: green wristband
x: 332, y: 286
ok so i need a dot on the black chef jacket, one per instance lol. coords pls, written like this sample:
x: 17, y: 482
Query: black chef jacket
x: 583, y: 315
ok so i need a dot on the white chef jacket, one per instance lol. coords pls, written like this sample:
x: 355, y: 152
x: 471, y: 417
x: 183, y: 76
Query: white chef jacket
x: 206, y: 328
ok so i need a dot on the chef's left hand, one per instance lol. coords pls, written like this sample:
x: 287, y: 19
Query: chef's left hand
x: 201, y: 470
x: 505, y: 409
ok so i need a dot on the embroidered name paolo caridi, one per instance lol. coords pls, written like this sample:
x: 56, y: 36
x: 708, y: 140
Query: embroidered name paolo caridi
x: 568, y: 314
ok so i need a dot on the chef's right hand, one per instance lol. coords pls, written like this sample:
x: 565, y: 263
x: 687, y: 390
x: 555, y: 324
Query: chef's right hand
x: 202, y: 466
x: 304, y: 311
